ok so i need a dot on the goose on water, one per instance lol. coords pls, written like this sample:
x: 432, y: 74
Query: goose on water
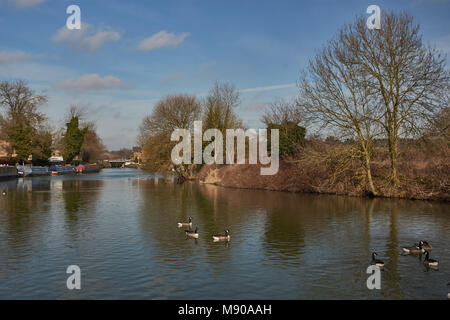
x: 222, y: 237
x: 376, y: 262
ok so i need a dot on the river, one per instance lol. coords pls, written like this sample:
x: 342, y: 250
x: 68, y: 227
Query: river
x: 119, y: 227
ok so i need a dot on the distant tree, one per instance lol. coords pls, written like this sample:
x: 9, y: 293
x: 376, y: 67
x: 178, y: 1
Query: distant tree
x: 440, y: 124
x: 22, y: 122
x: 80, y: 137
x: 177, y: 111
x: 171, y: 112
x: 291, y: 135
x: 123, y: 153
x: 42, y: 145
x: 280, y: 112
x: 285, y: 116
x: 92, y: 148
x: 218, y: 110
x: 73, y: 139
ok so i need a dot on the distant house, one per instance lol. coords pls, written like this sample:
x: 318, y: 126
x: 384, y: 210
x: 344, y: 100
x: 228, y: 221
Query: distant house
x: 56, y: 157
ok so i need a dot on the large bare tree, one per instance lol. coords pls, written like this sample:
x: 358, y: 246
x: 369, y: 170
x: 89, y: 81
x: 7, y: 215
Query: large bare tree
x: 407, y: 77
x: 178, y: 111
x: 333, y: 94
x: 172, y: 112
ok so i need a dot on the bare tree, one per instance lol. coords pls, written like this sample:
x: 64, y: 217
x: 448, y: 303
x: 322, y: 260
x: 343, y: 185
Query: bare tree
x: 333, y: 94
x: 407, y: 77
x: 440, y: 124
x: 76, y: 111
x: 177, y: 111
x: 171, y: 112
x: 92, y: 148
x: 280, y: 112
x: 219, y: 108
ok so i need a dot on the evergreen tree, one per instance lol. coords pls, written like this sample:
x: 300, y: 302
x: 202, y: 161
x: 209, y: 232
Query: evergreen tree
x: 73, y: 139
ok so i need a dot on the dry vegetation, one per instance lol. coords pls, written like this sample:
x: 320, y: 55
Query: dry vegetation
x: 382, y: 94
x: 321, y: 167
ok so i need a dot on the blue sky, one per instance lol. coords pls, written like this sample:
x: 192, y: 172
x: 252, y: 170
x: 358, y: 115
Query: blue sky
x: 129, y: 54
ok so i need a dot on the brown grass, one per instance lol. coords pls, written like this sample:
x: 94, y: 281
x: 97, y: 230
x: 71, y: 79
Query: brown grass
x: 319, y: 167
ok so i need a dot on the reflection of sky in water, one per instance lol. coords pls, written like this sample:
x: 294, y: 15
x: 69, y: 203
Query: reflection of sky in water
x: 119, y: 226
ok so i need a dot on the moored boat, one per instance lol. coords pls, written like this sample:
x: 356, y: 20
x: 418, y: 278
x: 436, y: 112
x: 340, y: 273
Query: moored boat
x: 57, y: 170
x: 25, y: 171
x: 88, y: 168
x: 8, y: 172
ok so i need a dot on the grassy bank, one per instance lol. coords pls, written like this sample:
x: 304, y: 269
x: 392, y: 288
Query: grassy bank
x: 320, y: 167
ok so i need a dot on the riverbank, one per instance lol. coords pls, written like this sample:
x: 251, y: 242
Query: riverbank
x: 299, y: 177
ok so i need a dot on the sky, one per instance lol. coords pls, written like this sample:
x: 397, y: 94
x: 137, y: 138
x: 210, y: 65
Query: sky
x: 129, y: 54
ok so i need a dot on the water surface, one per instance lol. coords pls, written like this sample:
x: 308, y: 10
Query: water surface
x: 119, y: 226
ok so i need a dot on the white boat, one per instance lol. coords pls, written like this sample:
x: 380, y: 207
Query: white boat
x: 26, y: 171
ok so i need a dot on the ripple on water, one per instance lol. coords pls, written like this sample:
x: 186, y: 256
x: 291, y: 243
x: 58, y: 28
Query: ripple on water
x: 120, y: 228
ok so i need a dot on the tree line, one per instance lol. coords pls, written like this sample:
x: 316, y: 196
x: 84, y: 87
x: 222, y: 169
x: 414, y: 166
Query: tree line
x: 375, y: 93
x: 29, y: 133
x: 216, y: 111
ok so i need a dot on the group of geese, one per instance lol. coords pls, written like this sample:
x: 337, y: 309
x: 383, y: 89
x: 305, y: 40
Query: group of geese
x: 194, y: 233
x: 417, y: 248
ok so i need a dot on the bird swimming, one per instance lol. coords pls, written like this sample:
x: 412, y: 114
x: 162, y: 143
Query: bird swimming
x: 426, y: 246
x: 376, y: 262
x: 430, y: 262
x: 185, y: 224
x: 416, y: 248
x: 222, y: 237
x: 192, y: 234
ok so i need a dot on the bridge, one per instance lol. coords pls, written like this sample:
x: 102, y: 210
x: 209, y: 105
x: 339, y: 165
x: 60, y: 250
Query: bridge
x: 118, y: 163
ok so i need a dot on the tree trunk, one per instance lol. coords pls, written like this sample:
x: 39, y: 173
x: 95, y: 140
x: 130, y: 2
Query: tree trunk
x: 369, y: 175
x: 393, y: 154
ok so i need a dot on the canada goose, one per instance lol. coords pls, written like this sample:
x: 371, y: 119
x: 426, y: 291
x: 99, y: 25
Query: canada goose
x: 426, y: 246
x: 185, y: 224
x: 430, y: 262
x: 376, y: 262
x: 4, y: 192
x: 192, y: 234
x: 222, y: 237
x: 417, y: 248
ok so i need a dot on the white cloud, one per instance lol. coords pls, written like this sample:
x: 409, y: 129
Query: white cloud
x: 90, y: 82
x: 7, y: 58
x: 162, y: 39
x: 25, y: 3
x: 280, y: 86
x: 86, y: 38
